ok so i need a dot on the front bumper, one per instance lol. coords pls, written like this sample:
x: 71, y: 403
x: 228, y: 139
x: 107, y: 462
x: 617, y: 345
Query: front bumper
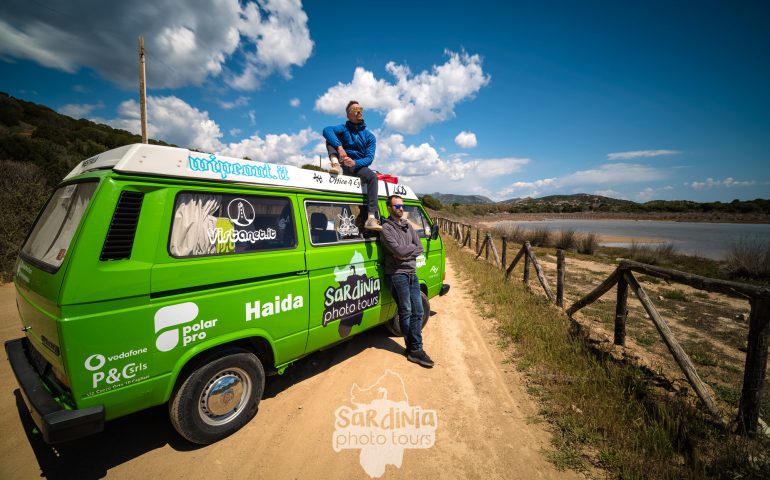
x: 444, y: 289
x: 56, y: 423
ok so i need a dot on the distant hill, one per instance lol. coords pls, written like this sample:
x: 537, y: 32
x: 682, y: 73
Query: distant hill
x: 576, y: 203
x: 451, y: 199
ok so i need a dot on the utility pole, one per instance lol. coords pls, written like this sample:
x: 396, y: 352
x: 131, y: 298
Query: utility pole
x: 142, y: 90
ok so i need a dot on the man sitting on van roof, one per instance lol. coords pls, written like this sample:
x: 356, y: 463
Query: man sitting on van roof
x: 354, y: 145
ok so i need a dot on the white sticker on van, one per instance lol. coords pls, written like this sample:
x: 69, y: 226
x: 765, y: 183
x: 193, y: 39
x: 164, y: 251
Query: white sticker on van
x: 180, y: 314
x: 105, y: 377
x: 347, y: 226
x: 241, y: 212
x: 420, y: 260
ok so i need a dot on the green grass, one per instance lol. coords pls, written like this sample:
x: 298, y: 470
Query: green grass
x: 614, y: 418
x: 677, y: 295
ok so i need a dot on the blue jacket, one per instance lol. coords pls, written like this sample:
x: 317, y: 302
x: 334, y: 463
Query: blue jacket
x: 355, y: 139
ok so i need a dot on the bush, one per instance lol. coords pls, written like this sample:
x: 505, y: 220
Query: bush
x: 749, y: 259
x: 566, y: 239
x: 651, y: 254
x: 540, y: 237
x: 588, y: 244
x: 512, y: 232
x: 432, y: 202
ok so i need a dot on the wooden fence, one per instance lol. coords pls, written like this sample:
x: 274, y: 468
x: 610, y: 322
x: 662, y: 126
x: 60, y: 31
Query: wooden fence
x: 747, y: 419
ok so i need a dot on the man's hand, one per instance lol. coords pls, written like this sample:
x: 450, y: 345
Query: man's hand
x: 349, y: 162
x: 341, y: 151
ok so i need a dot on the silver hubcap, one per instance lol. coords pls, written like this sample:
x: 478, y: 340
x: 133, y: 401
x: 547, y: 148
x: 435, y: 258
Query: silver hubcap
x: 224, y: 396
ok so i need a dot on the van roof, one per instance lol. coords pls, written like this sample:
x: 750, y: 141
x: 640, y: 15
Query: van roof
x: 157, y: 160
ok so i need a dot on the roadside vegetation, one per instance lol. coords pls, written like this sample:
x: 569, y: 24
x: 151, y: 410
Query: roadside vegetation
x: 604, y: 413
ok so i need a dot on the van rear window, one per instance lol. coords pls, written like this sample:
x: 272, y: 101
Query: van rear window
x: 52, y: 234
x: 221, y: 224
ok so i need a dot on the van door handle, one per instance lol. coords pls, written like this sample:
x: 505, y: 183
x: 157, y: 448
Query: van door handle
x: 303, y: 272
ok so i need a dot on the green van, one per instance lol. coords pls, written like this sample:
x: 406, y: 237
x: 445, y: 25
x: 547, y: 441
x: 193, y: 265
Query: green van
x: 160, y: 275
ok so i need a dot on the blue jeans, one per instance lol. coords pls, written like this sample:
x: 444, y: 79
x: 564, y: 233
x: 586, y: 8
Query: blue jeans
x: 406, y: 291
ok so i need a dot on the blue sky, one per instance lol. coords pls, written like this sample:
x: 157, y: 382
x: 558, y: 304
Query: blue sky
x: 635, y: 100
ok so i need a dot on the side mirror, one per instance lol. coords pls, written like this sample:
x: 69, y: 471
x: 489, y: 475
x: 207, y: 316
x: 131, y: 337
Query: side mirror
x: 434, y: 232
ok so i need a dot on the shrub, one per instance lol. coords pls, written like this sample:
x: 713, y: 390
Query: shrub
x: 651, y: 254
x: 588, y: 243
x: 432, y: 202
x: 749, y: 259
x: 539, y: 237
x: 566, y: 239
x: 511, y: 231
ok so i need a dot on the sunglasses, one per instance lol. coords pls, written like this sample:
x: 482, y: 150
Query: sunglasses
x: 398, y: 207
x: 357, y: 110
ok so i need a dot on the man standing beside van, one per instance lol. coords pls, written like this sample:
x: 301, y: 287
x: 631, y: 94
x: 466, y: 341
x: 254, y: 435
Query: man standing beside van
x: 402, y: 246
x: 353, y: 145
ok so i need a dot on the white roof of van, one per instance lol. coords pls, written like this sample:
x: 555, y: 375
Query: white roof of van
x: 144, y: 159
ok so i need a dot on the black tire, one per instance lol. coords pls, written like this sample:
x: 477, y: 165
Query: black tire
x: 393, y: 325
x: 218, y: 398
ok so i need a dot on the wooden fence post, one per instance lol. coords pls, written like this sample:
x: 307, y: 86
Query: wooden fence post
x: 504, y: 254
x: 756, y: 366
x: 491, y: 244
x: 560, y: 278
x: 526, y: 263
x: 478, y: 248
x: 621, y: 312
x: 510, y: 268
x: 681, y: 357
x: 540, y: 275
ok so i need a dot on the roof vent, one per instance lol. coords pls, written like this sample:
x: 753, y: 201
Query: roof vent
x: 120, y: 237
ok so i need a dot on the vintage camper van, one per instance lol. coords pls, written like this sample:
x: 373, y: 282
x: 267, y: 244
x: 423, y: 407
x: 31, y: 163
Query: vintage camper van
x: 161, y: 275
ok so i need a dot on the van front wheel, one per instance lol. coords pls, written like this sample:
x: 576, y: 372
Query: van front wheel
x: 394, y: 326
x: 218, y: 398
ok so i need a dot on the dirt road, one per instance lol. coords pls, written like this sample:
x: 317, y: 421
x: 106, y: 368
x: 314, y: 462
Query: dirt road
x: 481, y: 407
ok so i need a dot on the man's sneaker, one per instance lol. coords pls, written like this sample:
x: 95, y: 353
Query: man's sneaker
x: 421, y: 358
x: 373, y: 224
x: 336, y: 169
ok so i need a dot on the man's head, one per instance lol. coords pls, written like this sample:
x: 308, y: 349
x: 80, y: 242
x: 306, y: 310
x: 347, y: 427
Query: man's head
x: 395, y: 206
x: 355, y: 112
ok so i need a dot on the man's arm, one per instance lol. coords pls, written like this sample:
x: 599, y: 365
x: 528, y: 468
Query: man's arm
x: 330, y: 134
x: 416, y: 241
x: 371, y: 147
x: 389, y: 240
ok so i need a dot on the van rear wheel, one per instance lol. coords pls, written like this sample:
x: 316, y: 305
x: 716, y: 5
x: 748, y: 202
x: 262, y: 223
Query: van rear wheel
x: 218, y: 398
x: 394, y: 326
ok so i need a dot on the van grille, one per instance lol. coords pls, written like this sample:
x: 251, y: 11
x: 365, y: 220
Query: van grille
x: 120, y: 237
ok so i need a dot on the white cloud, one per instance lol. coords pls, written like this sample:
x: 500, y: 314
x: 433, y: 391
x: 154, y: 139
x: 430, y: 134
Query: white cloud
x: 422, y: 167
x: 172, y: 120
x: 610, y: 174
x: 293, y: 149
x: 80, y: 110
x: 640, y: 154
x: 411, y: 102
x: 235, y: 131
x: 185, y: 42
x: 610, y: 193
x: 465, y: 139
x: 252, y: 117
x: 728, y: 182
x: 238, y: 102
x: 294, y: 102
x: 278, y: 29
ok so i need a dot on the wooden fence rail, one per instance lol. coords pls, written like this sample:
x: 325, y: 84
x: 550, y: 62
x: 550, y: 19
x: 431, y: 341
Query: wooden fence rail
x: 755, y: 370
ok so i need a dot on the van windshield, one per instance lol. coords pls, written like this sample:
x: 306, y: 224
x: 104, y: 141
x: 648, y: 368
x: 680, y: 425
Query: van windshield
x: 53, y: 232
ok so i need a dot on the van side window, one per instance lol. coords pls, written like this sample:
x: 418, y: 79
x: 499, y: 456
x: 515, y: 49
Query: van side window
x: 335, y: 222
x: 418, y: 220
x: 223, y: 224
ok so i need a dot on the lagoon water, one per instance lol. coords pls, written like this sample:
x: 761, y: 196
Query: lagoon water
x: 712, y: 240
